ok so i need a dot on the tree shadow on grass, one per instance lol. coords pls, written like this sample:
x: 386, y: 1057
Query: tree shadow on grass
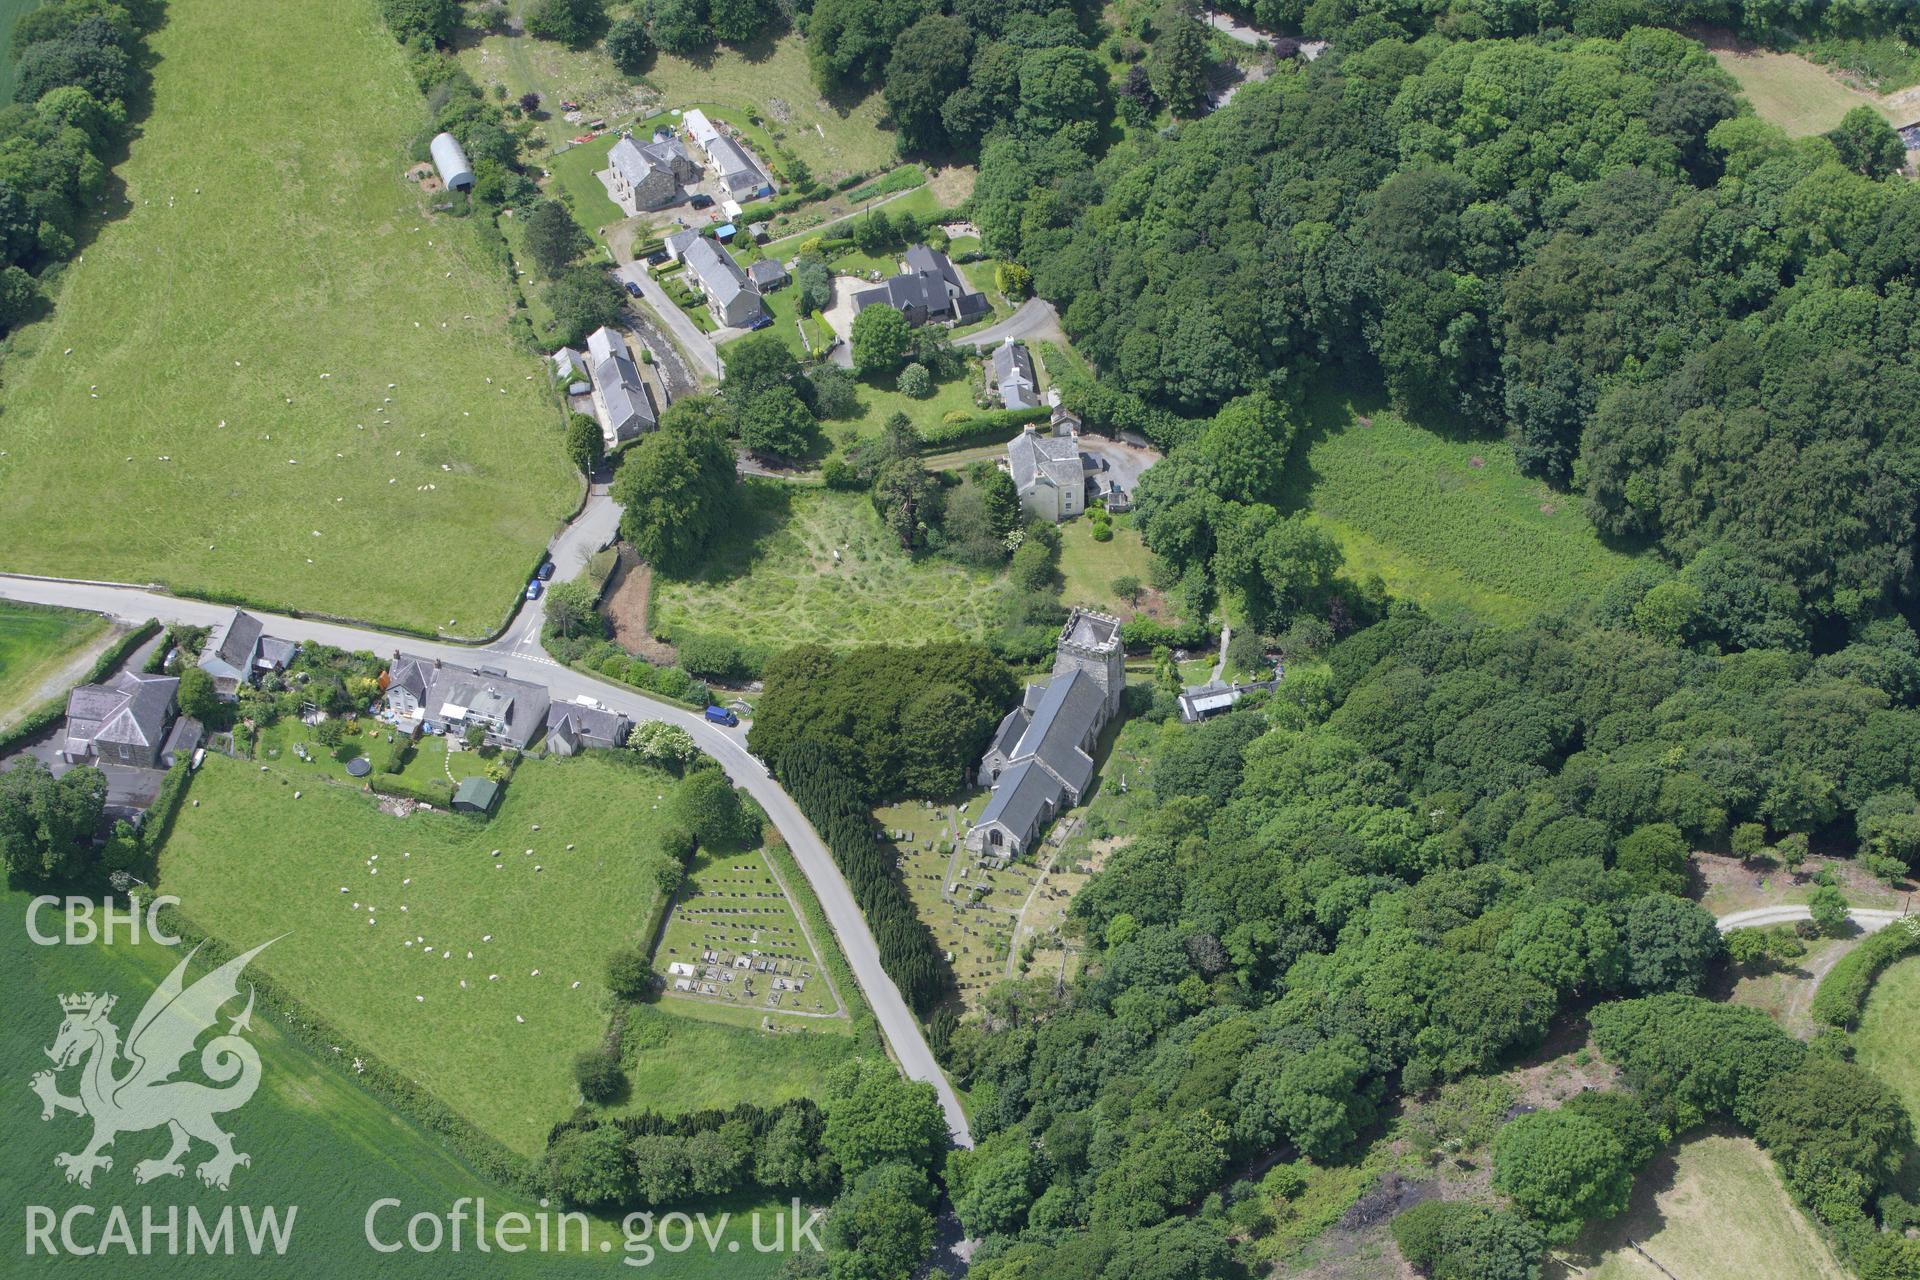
x: 1642, y: 1220
x: 762, y: 510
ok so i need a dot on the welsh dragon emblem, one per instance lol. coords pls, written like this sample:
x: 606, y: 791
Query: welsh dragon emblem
x: 126, y: 1089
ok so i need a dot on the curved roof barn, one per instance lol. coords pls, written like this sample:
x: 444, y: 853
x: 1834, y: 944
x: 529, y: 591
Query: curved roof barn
x: 451, y: 162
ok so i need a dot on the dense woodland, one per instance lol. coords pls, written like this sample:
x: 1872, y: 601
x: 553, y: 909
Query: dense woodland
x: 1585, y: 244
x: 79, y: 78
x: 1399, y: 873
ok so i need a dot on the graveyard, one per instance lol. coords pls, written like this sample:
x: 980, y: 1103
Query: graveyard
x: 971, y: 903
x: 733, y: 939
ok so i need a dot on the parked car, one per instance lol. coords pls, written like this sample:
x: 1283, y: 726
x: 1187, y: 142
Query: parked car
x: 720, y: 715
x: 701, y: 202
x: 533, y: 589
x: 762, y: 322
x: 657, y: 258
x: 545, y: 572
x: 633, y: 290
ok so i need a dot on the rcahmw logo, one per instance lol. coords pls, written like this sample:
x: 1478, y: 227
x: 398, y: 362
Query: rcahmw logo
x: 131, y: 1087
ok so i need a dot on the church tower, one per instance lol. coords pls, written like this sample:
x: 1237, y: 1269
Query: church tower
x: 1090, y: 642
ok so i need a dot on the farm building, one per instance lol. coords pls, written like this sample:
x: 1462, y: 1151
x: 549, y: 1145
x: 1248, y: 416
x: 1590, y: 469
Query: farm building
x: 740, y: 174
x: 730, y: 296
x: 451, y: 162
x: 928, y: 289
x: 476, y: 795
x: 648, y: 175
x: 700, y: 129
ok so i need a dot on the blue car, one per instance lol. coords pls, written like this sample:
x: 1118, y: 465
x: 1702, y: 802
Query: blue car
x: 533, y: 589
x: 720, y: 715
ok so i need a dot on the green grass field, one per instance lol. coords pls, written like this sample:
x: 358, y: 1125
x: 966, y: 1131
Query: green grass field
x: 680, y: 1063
x: 171, y: 423
x: 317, y: 1141
x: 35, y: 644
x: 768, y: 79
x: 774, y: 580
x: 1801, y: 97
x: 1713, y: 1208
x: 249, y: 862
x: 1451, y: 524
x: 1888, y: 1041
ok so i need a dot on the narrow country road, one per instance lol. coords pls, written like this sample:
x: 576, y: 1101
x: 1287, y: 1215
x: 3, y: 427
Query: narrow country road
x: 1870, y: 919
x: 1227, y: 25
x: 518, y: 654
x: 698, y: 347
x: 1036, y: 318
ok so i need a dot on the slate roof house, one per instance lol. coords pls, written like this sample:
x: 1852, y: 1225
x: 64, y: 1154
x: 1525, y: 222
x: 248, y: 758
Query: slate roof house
x: 1040, y: 761
x: 676, y: 243
x: 648, y: 175
x: 407, y: 680
x: 1013, y: 376
x: 1048, y: 473
x: 928, y: 289
x: 512, y: 713
x: 730, y: 296
x: 573, y: 727
x: 239, y: 649
x: 123, y: 721
x: 767, y: 274
x: 621, y: 401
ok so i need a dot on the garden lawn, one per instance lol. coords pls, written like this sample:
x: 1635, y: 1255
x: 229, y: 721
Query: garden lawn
x: 773, y: 580
x: 1451, y: 524
x: 1089, y: 567
x: 1888, y: 1041
x: 879, y: 401
x: 250, y: 862
x: 1714, y: 1207
x: 435, y: 760
x: 316, y: 1138
x: 1785, y: 89
x: 575, y: 171
x: 37, y: 645
x: 170, y: 421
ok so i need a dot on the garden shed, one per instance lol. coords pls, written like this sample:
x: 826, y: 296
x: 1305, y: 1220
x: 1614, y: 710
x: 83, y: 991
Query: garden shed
x: 476, y: 795
x: 451, y: 161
